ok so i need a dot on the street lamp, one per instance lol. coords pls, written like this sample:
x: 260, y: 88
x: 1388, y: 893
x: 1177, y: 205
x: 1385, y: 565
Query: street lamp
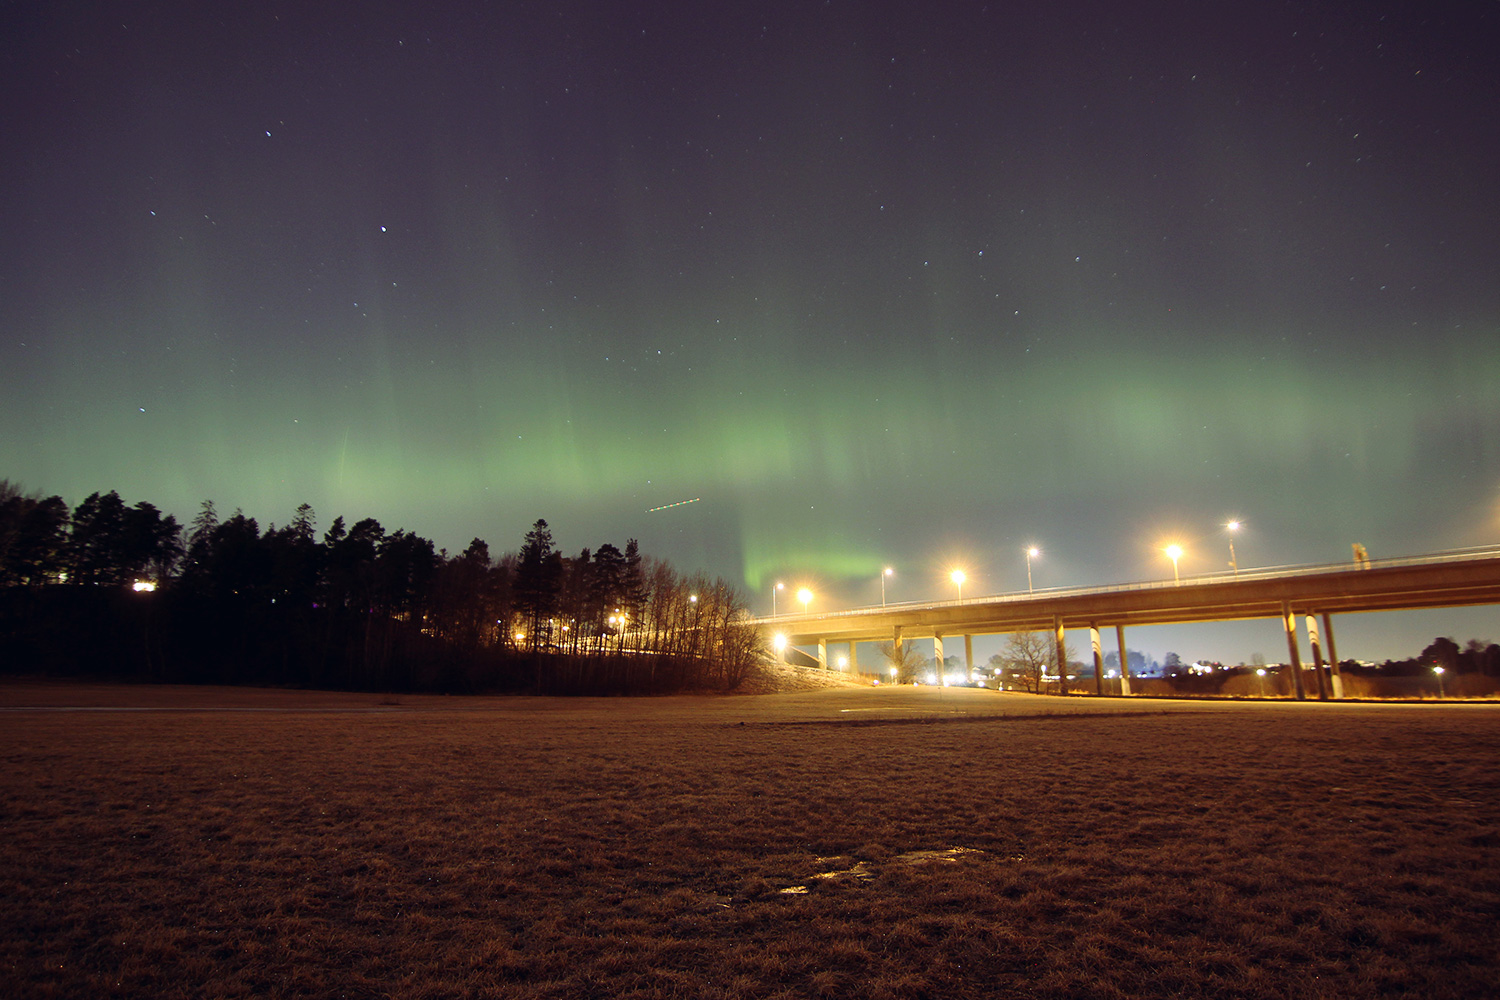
x: 804, y: 595
x: 1233, y: 526
x: 1439, y: 672
x: 1030, y: 552
x: 958, y: 578
x: 779, y: 586
x: 888, y: 572
x: 1174, y: 553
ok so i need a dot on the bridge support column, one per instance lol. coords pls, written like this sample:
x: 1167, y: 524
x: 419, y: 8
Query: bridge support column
x: 937, y: 656
x: 1098, y: 659
x: 1289, y: 624
x: 896, y: 650
x: 1317, y: 655
x: 853, y: 657
x: 1124, y: 661
x: 969, y: 655
x: 1062, y: 654
x: 823, y: 653
x: 1333, y: 659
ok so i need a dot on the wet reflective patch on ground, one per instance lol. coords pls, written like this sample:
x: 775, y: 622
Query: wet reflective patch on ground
x: 863, y: 871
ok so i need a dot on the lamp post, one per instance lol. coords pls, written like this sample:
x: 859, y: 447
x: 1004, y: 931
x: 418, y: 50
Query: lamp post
x: 1233, y: 526
x: 804, y: 595
x: 888, y: 572
x: 779, y: 586
x: 958, y: 578
x: 1174, y: 553
x: 1031, y: 550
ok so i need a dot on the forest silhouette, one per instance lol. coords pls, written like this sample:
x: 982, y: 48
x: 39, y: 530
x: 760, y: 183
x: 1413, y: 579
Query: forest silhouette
x: 124, y: 592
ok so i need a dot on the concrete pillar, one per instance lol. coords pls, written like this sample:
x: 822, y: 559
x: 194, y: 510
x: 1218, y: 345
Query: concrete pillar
x: 853, y: 657
x: 1317, y: 653
x: 969, y: 655
x: 1289, y: 624
x: 823, y: 653
x: 1098, y: 658
x: 1062, y: 654
x: 1124, y: 660
x: 896, y: 646
x: 937, y: 656
x: 1333, y: 659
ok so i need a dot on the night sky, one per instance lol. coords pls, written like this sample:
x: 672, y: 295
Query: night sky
x: 877, y: 284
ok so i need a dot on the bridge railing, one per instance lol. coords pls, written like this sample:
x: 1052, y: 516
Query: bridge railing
x: 1227, y: 576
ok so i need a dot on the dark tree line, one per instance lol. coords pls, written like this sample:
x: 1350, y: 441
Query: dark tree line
x: 100, y: 542
x: 1473, y: 657
x: 358, y: 607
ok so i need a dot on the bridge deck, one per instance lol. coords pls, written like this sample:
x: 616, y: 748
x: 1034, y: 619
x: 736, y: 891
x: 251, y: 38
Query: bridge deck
x: 1428, y: 582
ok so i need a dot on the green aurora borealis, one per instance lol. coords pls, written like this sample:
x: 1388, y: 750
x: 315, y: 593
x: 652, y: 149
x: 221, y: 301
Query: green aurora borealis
x: 882, y: 290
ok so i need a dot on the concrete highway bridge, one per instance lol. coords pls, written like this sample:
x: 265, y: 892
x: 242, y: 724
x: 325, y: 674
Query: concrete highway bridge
x: 1446, y: 580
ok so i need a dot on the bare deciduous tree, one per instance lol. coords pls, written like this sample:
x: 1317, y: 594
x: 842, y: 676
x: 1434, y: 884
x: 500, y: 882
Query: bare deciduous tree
x: 905, y: 658
x: 1030, y: 655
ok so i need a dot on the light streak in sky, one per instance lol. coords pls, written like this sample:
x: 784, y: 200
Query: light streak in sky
x: 669, y: 506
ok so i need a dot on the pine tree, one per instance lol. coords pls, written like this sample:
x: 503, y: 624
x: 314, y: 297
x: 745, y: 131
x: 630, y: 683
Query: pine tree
x: 538, y: 576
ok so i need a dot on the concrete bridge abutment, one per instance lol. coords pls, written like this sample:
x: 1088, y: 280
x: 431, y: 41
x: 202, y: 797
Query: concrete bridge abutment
x: 1124, y: 661
x: 1335, y: 677
x: 1289, y: 624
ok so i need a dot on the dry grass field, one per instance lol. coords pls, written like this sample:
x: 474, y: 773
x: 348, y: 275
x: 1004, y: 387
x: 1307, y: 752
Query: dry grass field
x: 865, y: 843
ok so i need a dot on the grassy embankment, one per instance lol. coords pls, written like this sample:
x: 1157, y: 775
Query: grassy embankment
x: 887, y: 843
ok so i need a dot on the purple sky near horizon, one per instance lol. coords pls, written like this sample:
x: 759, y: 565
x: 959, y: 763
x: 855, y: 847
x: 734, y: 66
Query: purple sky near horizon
x: 875, y: 284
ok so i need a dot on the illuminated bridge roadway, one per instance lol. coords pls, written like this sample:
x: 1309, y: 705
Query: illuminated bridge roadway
x: 1454, y: 579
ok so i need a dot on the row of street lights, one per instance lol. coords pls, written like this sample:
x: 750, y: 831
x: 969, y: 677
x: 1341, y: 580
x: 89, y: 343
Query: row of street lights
x: 804, y: 595
x: 957, y: 576
x: 1173, y: 552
